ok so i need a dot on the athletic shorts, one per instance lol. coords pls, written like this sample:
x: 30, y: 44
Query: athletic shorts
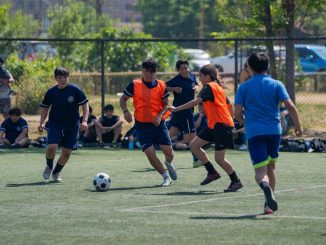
x: 65, y: 136
x: 5, y: 104
x: 184, y: 122
x: 221, y: 135
x: 263, y: 148
x: 148, y: 134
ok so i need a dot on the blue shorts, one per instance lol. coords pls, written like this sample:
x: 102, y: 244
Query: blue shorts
x: 148, y: 134
x: 184, y: 122
x: 263, y: 148
x: 65, y: 136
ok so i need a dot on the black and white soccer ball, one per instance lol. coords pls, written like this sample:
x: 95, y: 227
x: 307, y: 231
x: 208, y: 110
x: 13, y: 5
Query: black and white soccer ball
x: 101, y: 182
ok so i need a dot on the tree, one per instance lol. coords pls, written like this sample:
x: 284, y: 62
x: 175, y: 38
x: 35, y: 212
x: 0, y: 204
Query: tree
x: 179, y: 18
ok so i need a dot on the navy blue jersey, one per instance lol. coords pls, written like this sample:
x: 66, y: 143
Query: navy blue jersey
x: 64, y: 104
x: 188, y: 89
x: 109, y: 122
x: 11, y: 129
x: 129, y: 90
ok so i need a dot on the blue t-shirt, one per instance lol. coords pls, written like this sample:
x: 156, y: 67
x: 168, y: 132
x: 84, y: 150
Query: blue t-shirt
x: 12, y: 130
x: 64, y: 104
x: 188, y: 91
x: 260, y: 96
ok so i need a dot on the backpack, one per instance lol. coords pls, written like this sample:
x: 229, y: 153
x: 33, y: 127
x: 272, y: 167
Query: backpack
x: 318, y: 145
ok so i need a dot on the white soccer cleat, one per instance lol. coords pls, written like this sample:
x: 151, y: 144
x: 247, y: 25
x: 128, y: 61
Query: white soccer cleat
x: 172, y: 171
x: 166, y: 181
x: 47, y: 172
x: 56, y: 177
x: 197, y: 163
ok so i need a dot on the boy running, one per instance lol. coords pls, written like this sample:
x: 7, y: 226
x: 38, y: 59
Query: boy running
x: 150, y: 100
x: 260, y: 98
x: 218, y: 130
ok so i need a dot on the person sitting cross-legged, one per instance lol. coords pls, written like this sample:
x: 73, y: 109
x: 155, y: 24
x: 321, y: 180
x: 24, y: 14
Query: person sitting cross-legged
x: 14, y: 130
x: 108, y: 127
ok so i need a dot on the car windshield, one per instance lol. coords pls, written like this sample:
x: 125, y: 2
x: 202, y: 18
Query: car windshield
x: 321, y: 52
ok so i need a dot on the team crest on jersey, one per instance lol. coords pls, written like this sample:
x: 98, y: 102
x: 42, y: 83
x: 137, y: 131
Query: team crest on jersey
x: 70, y: 99
x: 18, y: 129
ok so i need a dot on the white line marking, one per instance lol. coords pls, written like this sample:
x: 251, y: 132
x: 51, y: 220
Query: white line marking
x: 218, y: 198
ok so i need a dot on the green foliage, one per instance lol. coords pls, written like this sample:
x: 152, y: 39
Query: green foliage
x: 33, y: 78
x: 179, y: 18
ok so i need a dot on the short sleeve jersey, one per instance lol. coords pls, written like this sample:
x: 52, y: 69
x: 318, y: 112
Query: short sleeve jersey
x: 188, y: 91
x: 129, y: 90
x: 11, y: 129
x: 90, y: 119
x: 64, y: 104
x: 260, y: 96
x: 109, y: 122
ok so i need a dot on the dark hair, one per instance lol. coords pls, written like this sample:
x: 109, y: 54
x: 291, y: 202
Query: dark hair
x: 181, y: 62
x: 258, y: 62
x: 210, y: 70
x: 15, y: 111
x: 61, y: 71
x: 150, y: 64
x: 109, y: 107
x: 4, y: 73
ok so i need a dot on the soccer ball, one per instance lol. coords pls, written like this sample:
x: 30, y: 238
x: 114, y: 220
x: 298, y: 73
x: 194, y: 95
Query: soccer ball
x: 101, y: 182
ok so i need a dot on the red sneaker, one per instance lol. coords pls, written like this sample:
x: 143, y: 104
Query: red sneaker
x: 234, y: 186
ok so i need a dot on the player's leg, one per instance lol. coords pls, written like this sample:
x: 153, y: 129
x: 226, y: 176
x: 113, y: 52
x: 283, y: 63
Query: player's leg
x: 99, y: 131
x: 259, y: 156
x: 273, y: 145
x: 174, y: 132
x: 169, y: 155
x: 69, y: 142
x: 49, y: 156
x: 156, y: 163
x: 224, y: 139
x: 196, y: 148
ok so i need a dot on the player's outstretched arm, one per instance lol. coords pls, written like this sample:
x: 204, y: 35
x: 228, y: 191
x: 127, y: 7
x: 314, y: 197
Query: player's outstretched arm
x: 187, y: 105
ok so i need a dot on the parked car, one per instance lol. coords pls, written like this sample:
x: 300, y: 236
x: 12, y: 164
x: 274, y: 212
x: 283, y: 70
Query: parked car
x: 197, y: 58
x: 312, y: 58
x: 32, y: 49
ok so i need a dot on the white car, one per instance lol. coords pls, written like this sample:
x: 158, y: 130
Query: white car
x: 197, y: 58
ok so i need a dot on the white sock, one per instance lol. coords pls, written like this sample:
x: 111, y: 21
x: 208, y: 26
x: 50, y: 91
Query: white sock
x: 165, y: 174
x: 167, y: 163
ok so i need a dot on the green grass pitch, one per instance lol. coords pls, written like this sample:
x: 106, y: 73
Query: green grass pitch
x: 136, y: 211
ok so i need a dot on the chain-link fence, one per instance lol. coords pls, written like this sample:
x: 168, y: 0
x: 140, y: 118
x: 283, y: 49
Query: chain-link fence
x: 103, y: 68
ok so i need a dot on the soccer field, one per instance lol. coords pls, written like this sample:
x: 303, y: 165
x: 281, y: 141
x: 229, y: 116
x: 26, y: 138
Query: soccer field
x: 136, y: 211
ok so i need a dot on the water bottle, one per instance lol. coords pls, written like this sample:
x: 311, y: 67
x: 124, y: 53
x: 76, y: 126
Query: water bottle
x: 131, y: 145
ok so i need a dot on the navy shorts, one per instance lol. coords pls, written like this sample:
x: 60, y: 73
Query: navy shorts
x: 263, y: 148
x: 184, y: 122
x: 148, y: 134
x: 221, y: 135
x: 65, y: 136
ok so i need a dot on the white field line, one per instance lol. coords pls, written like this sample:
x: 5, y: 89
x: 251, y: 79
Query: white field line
x: 144, y: 209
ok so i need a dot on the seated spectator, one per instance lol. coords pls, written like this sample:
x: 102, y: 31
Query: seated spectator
x: 239, y: 136
x: 14, y: 130
x: 200, y: 119
x: 130, y: 140
x: 89, y: 136
x: 284, y: 119
x: 108, y: 127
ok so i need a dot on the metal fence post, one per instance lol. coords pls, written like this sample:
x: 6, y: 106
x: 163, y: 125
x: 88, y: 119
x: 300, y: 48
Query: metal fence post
x: 236, y: 44
x: 102, y: 77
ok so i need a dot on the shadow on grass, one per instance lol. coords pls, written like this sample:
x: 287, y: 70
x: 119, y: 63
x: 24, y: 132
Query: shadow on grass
x: 233, y: 217
x: 39, y: 183
x: 126, y: 188
x: 188, y: 193
x: 144, y: 170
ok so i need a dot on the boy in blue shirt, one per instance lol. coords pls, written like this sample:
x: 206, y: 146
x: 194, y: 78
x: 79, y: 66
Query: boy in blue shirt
x: 14, y: 130
x: 259, y: 98
x: 64, y: 100
x: 183, y: 87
